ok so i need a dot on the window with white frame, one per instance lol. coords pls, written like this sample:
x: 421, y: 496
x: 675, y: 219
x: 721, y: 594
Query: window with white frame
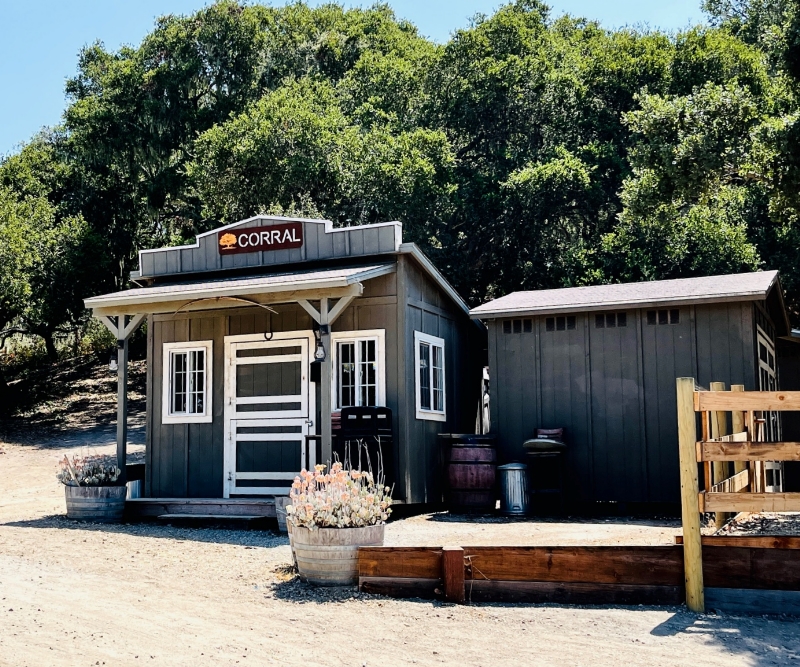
x: 359, y: 363
x: 430, y: 377
x: 187, y: 382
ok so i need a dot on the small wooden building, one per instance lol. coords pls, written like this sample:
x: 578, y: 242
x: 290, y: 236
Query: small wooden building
x: 602, y: 362
x: 263, y: 329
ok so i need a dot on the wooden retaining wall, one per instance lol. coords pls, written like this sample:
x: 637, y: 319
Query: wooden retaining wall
x: 760, y: 578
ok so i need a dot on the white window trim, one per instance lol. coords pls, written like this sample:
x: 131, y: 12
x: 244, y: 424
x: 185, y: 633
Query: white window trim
x: 166, y: 381
x: 430, y: 415
x: 346, y: 336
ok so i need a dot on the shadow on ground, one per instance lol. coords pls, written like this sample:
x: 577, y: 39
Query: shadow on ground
x: 221, y: 533
x: 448, y: 517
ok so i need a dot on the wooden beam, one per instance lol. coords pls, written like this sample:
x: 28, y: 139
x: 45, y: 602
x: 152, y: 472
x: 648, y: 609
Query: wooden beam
x: 404, y: 562
x: 326, y: 398
x: 748, y: 451
x: 572, y: 593
x: 763, y: 401
x: 748, y: 541
x: 692, y: 550
x: 111, y: 325
x: 453, y: 574
x: 338, y: 309
x: 305, y: 305
x: 738, y: 425
x: 131, y: 326
x: 215, y: 303
x: 752, y: 502
x: 122, y: 405
x: 635, y: 565
x: 401, y: 587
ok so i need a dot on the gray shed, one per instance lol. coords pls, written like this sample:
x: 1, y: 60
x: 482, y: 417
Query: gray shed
x: 602, y: 362
x: 236, y: 326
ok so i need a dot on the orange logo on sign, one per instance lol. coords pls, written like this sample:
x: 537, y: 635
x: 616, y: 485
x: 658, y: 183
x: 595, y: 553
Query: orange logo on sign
x: 227, y: 241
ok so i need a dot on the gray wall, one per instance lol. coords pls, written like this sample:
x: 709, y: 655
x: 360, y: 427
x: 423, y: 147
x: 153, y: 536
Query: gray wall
x: 613, y: 389
x: 319, y: 243
x: 187, y: 460
x: 425, y: 308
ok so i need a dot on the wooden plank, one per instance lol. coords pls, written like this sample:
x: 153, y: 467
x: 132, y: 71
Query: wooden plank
x: 746, y: 400
x: 403, y: 562
x: 401, y: 587
x: 752, y: 502
x: 139, y: 508
x: 748, y: 451
x: 726, y: 567
x: 453, y: 574
x: 572, y: 593
x: 692, y: 550
x: 735, y: 484
x: 749, y: 541
x: 720, y: 469
x: 653, y: 565
x: 750, y: 601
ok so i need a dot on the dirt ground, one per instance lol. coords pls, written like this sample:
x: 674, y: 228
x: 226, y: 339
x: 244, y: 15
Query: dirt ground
x: 73, y: 594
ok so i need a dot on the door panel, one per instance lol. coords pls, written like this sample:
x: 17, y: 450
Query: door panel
x: 267, y: 415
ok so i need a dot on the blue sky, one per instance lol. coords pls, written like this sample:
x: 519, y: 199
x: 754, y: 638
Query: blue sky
x: 40, y: 39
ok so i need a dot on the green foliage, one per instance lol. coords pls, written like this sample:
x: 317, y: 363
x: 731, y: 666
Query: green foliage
x: 526, y: 152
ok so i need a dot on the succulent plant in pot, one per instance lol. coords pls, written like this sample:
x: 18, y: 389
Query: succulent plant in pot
x: 92, y: 487
x: 332, y: 514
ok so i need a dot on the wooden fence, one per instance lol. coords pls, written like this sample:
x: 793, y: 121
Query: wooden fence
x: 752, y: 574
x: 726, y: 490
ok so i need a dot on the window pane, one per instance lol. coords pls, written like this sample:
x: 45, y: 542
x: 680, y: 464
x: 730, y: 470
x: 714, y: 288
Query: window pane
x: 424, y: 376
x: 179, y: 380
x: 367, y: 372
x: 438, y: 378
x: 196, y: 381
x: 347, y: 375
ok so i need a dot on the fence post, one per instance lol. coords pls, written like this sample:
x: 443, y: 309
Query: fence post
x: 453, y: 574
x: 692, y: 549
x: 737, y: 426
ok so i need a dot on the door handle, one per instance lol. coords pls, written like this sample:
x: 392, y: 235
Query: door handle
x: 309, y: 422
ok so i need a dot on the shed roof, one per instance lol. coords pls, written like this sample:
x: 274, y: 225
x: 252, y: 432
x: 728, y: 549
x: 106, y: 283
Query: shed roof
x: 679, y: 292
x: 163, y: 298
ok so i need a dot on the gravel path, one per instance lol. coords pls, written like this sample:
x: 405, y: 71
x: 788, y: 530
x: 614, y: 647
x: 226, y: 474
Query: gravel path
x: 76, y: 594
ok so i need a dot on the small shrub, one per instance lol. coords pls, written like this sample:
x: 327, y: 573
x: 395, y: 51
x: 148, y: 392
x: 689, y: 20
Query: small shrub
x: 92, y: 470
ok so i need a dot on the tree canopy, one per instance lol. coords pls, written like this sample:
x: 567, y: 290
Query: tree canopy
x: 526, y: 152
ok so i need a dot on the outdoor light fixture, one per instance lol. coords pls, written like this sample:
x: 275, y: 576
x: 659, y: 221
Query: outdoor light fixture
x: 113, y: 366
x: 319, y: 352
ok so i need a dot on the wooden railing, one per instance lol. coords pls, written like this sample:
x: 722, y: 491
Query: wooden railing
x: 740, y: 489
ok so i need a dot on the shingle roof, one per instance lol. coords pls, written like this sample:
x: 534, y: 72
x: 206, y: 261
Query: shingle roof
x: 683, y: 291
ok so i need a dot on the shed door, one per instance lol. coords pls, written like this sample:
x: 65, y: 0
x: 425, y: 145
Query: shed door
x: 268, y: 416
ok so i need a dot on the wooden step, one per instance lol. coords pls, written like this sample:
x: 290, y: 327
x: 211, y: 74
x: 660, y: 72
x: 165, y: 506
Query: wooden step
x: 144, y: 508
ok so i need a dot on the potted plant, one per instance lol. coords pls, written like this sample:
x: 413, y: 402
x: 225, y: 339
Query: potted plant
x: 330, y: 516
x: 91, y: 488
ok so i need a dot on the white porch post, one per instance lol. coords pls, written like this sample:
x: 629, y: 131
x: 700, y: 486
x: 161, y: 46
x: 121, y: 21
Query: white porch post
x: 325, y: 376
x: 122, y: 332
x: 122, y: 407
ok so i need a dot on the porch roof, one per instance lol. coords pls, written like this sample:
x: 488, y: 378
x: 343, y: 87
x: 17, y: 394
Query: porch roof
x: 229, y: 292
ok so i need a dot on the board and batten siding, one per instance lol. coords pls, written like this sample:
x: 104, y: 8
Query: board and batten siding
x: 424, y: 307
x: 613, y: 390
x: 320, y: 242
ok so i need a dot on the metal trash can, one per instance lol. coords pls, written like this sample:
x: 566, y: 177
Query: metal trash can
x: 513, y: 489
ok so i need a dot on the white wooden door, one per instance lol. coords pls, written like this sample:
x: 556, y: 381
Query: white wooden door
x: 267, y: 414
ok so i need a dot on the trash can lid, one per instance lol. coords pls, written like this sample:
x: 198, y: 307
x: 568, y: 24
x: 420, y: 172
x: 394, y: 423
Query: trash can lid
x: 513, y: 466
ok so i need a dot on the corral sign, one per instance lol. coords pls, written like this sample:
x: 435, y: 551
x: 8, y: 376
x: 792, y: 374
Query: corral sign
x: 255, y: 239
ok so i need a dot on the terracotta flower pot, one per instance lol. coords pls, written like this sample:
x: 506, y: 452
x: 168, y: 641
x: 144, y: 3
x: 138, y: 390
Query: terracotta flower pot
x: 329, y: 556
x: 101, y: 504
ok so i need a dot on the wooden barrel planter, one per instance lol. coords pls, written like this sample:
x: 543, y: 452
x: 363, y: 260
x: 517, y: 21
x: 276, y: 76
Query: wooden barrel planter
x: 101, y: 504
x: 329, y: 556
x: 472, y: 473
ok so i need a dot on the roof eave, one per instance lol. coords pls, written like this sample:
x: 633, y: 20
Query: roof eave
x: 478, y: 313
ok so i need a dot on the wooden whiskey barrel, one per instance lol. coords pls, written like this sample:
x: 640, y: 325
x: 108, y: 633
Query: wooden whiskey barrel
x: 101, y: 504
x: 329, y: 556
x: 472, y: 474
